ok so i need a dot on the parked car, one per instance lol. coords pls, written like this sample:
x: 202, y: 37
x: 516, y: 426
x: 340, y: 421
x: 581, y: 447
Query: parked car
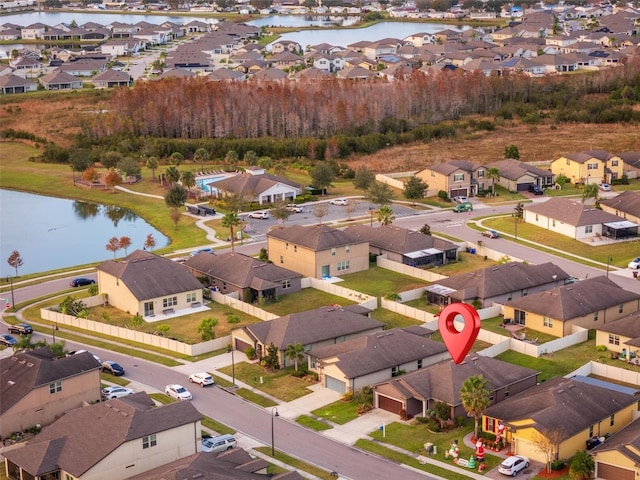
x: 203, y: 250
x: 491, y: 234
x: 463, y: 207
x: 21, y: 329
x: 605, y: 187
x: 178, y: 392
x: 295, y: 208
x: 115, y: 392
x: 75, y: 352
x: 8, y: 340
x: 536, y: 190
x: 264, y: 215
x: 339, y: 201
x: 513, y: 464
x: 202, y: 378
x: 218, y: 444
x: 460, y: 199
x: 82, y: 282
x: 635, y: 263
x: 113, y: 368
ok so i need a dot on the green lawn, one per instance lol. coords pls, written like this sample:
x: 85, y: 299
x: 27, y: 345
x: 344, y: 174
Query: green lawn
x: 378, y: 282
x: 305, y: 299
x: 312, y: 423
x: 495, y: 325
x: 392, y: 319
x: 339, y: 412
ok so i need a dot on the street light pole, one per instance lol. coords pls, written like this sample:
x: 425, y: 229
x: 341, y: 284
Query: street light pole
x: 274, y: 413
x: 233, y: 364
x: 10, y: 280
x: 609, y: 260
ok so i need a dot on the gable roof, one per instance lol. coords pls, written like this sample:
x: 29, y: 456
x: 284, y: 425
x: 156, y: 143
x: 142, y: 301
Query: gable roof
x: 627, y: 202
x: 625, y: 441
x: 582, y: 157
x: 311, y: 326
x: 25, y: 371
x: 253, y: 183
x: 84, y: 436
x: 572, y: 212
x: 575, y: 300
x: 561, y: 404
x: 515, y: 169
x: 628, y: 326
x: 501, y: 279
x: 239, y: 269
x: 148, y: 275
x: 397, y: 239
x: 314, y: 237
x: 631, y: 158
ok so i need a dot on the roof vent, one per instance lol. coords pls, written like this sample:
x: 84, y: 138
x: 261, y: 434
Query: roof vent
x: 11, y: 383
x: 561, y: 391
x: 29, y: 364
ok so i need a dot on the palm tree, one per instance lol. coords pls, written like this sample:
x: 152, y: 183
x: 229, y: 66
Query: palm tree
x: 173, y: 175
x: 229, y: 221
x: 188, y: 180
x: 385, y: 215
x: 474, y: 396
x: 152, y: 163
x: 590, y: 190
x: 295, y: 353
x: 494, y: 174
x: 200, y: 155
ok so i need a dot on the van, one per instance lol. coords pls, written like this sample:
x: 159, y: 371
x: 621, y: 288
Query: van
x: 463, y: 207
x: 218, y: 444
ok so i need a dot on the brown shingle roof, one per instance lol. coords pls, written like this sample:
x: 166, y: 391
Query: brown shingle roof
x: 572, y: 212
x: 398, y: 239
x: 628, y: 326
x: 248, y: 183
x: 627, y: 202
x: 582, y: 157
x: 315, y: 237
x: 515, y: 169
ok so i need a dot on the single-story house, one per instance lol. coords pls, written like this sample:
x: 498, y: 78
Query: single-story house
x: 360, y: 362
x: 405, y: 246
x: 621, y: 336
x: 312, y: 328
x: 14, y: 84
x: 516, y: 176
x: 625, y: 205
x: 112, y: 78
x: 590, y: 303
x: 58, y: 80
x: 417, y: 392
x: 146, y: 284
x: 115, y: 439
x: 259, y: 186
x: 252, y: 279
x: 564, y: 411
x: 496, y: 284
x: 617, y: 457
x: 37, y: 387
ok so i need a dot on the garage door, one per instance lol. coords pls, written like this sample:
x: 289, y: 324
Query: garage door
x: 523, y: 186
x: 242, y: 346
x: 528, y: 449
x: 458, y: 192
x: 389, y: 404
x: 611, y: 472
x: 335, y: 384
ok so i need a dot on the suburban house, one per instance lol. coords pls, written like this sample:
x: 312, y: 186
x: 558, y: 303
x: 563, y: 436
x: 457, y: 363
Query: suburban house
x: 418, y: 392
x: 617, y: 458
x: 625, y: 205
x: 317, y: 251
x: 363, y: 361
x: 15, y: 84
x: 112, y: 78
x: 496, y: 284
x: 250, y: 278
x: 631, y: 163
x: 456, y: 177
x: 589, y: 304
x: 576, y: 220
x: 621, y: 336
x: 146, y: 284
x: 258, y: 186
x: 584, y: 167
x: 38, y: 388
x: 405, y: 246
x: 116, y: 439
x: 313, y: 328
x: 59, y: 80
x: 564, y: 411
x: 517, y: 176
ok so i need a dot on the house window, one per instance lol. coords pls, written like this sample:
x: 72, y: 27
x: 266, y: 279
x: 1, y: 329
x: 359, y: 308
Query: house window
x: 333, y: 252
x: 344, y: 265
x: 595, y: 316
x: 592, y: 166
x: 286, y: 246
x: 286, y: 283
x: 307, y: 347
x: 588, y: 229
x: 614, y: 339
x: 169, y: 302
x: 295, y: 249
x: 547, y: 322
x: 347, y: 248
x: 612, y: 419
x: 614, y: 163
x: 395, y: 371
x: 281, y: 259
x: 536, y: 217
x: 620, y: 307
x: 481, y: 173
x: 553, y: 222
x: 591, y: 431
x: 149, y: 441
x: 420, y: 364
x: 458, y: 177
x: 55, y: 387
x: 491, y: 425
x: 191, y: 297
x: 568, y: 162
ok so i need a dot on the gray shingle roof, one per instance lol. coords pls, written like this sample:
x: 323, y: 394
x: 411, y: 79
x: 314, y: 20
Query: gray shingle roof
x: 575, y: 300
x: 515, y: 169
x: 398, y: 239
x: 248, y: 183
x: 627, y: 202
x: 628, y: 326
x: 572, y: 212
x: 315, y: 237
x: 148, y: 275
x: 623, y: 441
x: 84, y: 436
x: 25, y: 371
x: 582, y: 157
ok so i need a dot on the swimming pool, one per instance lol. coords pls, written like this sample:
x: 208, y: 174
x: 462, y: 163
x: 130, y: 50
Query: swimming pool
x: 203, y: 184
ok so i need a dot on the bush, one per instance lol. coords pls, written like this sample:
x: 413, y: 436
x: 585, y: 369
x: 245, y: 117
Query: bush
x: 444, y: 196
x: 433, y: 425
x: 601, y: 348
x: 250, y: 352
x: 557, y: 465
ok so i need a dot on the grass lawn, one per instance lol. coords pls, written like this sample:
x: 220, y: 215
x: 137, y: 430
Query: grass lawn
x: 392, y: 319
x: 305, y: 299
x: 312, y: 423
x: 378, y: 282
x: 421, y: 304
x: 495, y: 325
x: 280, y: 384
x: 339, y: 412
x: 295, y: 463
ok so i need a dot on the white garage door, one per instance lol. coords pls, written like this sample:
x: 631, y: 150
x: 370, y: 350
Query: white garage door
x: 335, y: 384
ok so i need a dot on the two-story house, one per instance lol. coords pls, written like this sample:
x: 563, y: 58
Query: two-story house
x: 456, y: 177
x: 583, y: 167
x: 517, y: 176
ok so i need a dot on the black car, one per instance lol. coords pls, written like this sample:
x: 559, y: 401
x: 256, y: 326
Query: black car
x: 113, y: 368
x: 82, y: 282
x: 21, y: 329
x: 536, y: 190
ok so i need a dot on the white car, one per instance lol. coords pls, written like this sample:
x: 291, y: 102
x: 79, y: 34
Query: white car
x: 292, y: 207
x: 202, y: 378
x: 115, y: 392
x: 605, y: 187
x: 635, y: 263
x: 178, y: 392
x: 460, y: 199
x: 263, y: 215
x: 339, y: 201
x: 513, y: 464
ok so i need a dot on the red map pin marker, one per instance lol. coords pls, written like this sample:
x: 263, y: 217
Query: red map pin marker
x: 459, y: 343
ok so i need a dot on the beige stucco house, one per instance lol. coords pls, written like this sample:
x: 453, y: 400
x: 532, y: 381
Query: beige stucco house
x: 626, y: 205
x: 38, y: 388
x: 146, y: 284
x: 317, y: 251
x: 116, y: 439
x: 456, y: 177
x: 591, y: 166
x: 621, y: 336
x: 617, y: 458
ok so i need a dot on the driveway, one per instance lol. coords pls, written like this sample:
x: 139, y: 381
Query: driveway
x: 528, y: 473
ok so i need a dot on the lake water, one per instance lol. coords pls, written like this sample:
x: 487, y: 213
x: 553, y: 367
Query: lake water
x: 52, y: 233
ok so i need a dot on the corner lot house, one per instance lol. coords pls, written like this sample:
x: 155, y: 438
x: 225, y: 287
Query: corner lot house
x: 417, y: 392
x: 317, y: 251
x: 582, y: 167
x: 568, y: 412
x: 617, y: 458
x: 115, y: 439
x: 38, y: 388
x: 146, y: 284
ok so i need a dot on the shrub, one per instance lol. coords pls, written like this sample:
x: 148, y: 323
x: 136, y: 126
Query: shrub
x: 557, y: 464
x: 233, y: 318
x: 444, y: 196
x: 363, y: 408
x: 347, y: 397
x: 601, y: 348
x: 250, y: 352
x: 433, y: 425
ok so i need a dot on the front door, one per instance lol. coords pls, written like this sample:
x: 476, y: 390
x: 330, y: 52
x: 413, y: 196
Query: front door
x: 325, y: 271
x: 148, y: 309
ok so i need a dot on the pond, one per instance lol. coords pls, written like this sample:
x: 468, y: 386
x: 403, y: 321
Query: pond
x: 52, y: 233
